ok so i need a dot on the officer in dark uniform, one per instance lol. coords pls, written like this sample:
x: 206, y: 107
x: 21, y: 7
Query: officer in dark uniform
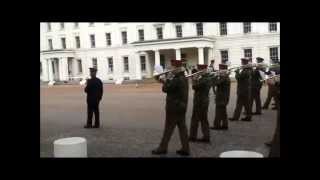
x: 275, y: 143
x: 194, y: 70
x: 271, y: 89
x: 201, y: 86
x: 176, y: 88
x: 256, y: 87
x: 94, y: 90
x: 211, y: 67
x: 243, y: 92
x: 222, y: 98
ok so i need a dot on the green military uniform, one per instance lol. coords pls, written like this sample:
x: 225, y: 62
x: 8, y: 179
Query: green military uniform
x: 176, y: 107
x: 222, y: 100
x: 271, y: 89
x: 201, y: 89
x: 243, y: 94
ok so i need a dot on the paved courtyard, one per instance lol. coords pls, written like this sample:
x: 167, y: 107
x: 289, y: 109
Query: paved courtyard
x: 132, y: 122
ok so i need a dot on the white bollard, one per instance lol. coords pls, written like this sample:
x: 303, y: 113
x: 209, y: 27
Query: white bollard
x: 70, y: 147
x: 240, y: 154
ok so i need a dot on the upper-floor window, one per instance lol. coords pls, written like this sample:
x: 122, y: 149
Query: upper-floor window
x: 62, y: 26
x: 223, y: 29
x: 108, y: 39
x: 77, y: 41
x: 125, y: 64
x: 179, y: 30
x: 272, y: 27
x: 124, y: 37
x: 274, y: 53
x: 224, y: 56
x: 143, y: 63
x: 95, y: 63
x: 199, y: 29
x: 110, y: 65
x: 49, y: 26
x: 76, y: 25
x: 63, y: 43
x: 93, y: 41
x: 141, y: 34
x: 50, y: 44
x: 246, y: 27
x: 247, y: 53
x: 159, y: 33
x: 91, y: 24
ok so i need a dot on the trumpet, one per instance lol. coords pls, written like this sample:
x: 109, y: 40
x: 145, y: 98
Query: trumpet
x: 163, y: 73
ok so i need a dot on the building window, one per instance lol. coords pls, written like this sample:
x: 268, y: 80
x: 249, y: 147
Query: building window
x: 162, y: 61
x: 183, y: 56
x: 274, y: 53
x: 179, y: 31
x: 62, y: 26
x: 141, y: 34
x: 77, y: 42
x: 246, y: 27
x: 143, y: 63
x: 91, y: 24
x: 49, y: 26
x: 76, y: 25
x: 199, y: 29
x: 124, y: 37
x: 110, y: 65
x: 79, y: 66
x: 108, y: 39
x: 40, y: 68
x: 223, y: 29
x: 63, y: 43
x: 50, y: 44
x: 272, y: 27
x: 224, y: 56
x: 95, y: 63
x: 159, y: 33
x: 247, y: 53
x: 125, y: 64
x: 93, y: 41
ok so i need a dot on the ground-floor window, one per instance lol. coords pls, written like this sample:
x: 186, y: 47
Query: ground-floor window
x: 274, y: 53
x: 126, y: 64
x: 80, y: 66
x: 224, y: 56
x: 94, y: 63
x: 40, y: 68
x: 110, y: 65
x: 247, y: 53
x: 143, y: 63
x: 162, y: 61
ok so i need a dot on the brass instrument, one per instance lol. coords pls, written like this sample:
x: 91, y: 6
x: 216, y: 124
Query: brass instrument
x: 163, y: 73
x: 269, y: 78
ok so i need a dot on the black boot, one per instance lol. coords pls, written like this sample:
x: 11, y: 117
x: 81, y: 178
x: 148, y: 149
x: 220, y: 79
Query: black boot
x: 215, y: 128
x: 246, y: 119
x: 158, y: 152
x: 204, y: 140
x: 233, y: 119
x: 191, y: 139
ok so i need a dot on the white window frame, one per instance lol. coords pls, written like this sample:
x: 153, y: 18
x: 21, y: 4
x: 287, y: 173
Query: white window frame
x: 108, y: 39
x: 75, y: 39
x: 50, y: 45
x: 62, y: 25
x: 49, y: 27
x: 197, y: 29
x: 79, y: 66
x: 220, y: 27
x: 178, y: 33
x: 141, y: 29
x: 76, y: 25
x: 278, y: 47
x: 96, y: 59
x: 228, y: 53
x: 94, y: 40
x: 269, y: 26
x: 110, y: 71
x: 157, y: 27
x: 65, y: 42
x: 244, y: 27
x: 122, y: 37
x: 145, y: 63
x: 246, y: 48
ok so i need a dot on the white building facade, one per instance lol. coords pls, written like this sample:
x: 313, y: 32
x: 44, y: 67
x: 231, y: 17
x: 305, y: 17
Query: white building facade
x: 131, y: 50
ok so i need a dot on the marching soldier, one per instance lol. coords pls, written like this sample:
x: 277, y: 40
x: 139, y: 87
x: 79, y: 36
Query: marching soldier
x: 271, y: 89
x: 256, y: 87
x: 211, y: 69
x: 222, y: 99
x: 176, y: 88
x: 201, y: 86
x: 94, y: 90
x: 243, y: 92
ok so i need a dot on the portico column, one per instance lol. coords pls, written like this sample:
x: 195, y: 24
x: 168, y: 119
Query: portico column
x: 200, y: 55
x: 63, y: 67
x: 210, y: 54
x: 178, y: 54
x: 157, y: 57
x: 44, y: 70
x: 138, y: 66
x: 50, y: 69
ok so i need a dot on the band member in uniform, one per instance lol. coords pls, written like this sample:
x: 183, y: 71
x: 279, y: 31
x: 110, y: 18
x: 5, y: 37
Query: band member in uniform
x: 271, y: 89
x: 243, y: 92
x: 256, y: 87
x: 211, y: 69
x: 222, y: 99
x: 94, y: 90
x: 201, y: 85
x: 176, y: 88
x: 194, y: 70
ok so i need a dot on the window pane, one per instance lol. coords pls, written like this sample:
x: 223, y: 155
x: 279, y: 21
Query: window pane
x: 124, y: 37
x: 49, y: 26
x: 126, y: 64
x: 77, y: 41
x: 143, y: 63
x: 159, y: 33
x: 92, y: 39
x: 50, y: 44
x: 179, y: 31
x: 246, y: 27
x: 110, y: 65
x: 223, y: 28
x: 79, y: 66
x: 199, y: 29
x: 224, y: 56
x: 94, y: 63
x: 248, y: 53
x: 63, y: 43
x: 141, y: 35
